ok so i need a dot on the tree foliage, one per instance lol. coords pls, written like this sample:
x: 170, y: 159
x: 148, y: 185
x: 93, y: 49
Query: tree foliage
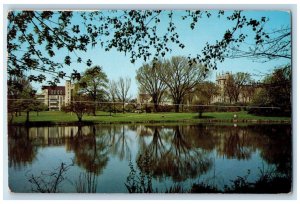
x: 93, y: 83
x: 206, y: 91
x: 235, y: 84
x: 275, y: 91
x: 79, y: 106
x: 34, y: 38
x: 181, y: 77
x: 22, y: 97
x: 203, y: 95
x: 148, y: 77
x: 272, y: 45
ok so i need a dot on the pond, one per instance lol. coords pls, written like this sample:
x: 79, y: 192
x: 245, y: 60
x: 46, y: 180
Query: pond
x: 179, y: 158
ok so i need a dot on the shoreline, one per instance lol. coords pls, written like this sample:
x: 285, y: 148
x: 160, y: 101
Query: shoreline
x: 187, y: 121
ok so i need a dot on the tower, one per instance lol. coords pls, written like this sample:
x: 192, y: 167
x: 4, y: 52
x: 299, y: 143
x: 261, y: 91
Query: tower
x: 68, y: 92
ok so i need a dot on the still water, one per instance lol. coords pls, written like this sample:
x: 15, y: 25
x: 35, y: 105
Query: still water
x: 146, y: 158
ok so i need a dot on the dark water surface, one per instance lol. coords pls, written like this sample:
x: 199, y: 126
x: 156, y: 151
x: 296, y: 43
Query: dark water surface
x: 150, y: 158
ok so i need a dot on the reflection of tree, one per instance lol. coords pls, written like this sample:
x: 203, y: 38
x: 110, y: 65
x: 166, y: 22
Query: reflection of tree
x: 151, y: 155
x: 120, y: 143
x: 156, y: 148
x: 86, y: 183
x: 235, y: 146
x: 272, y: 141
x: 180, y: 161
x: 91, y: 152
x: 183, y: 161
x: 20, y: 149
x: 275, y: 144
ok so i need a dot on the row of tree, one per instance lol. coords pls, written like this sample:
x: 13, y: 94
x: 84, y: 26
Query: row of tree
x: 95, y: 85
x: 177, y: 79
x: 22, y: 98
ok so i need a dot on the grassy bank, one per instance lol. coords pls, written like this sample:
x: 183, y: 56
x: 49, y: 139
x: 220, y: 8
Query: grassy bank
x: 57, y: 117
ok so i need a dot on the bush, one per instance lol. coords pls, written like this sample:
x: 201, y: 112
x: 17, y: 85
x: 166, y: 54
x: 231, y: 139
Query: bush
x: 131, y: 108
x: 166, y: 108
x: 221, y: 107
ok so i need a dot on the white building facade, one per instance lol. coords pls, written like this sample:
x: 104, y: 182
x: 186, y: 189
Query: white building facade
x: 56, y: 97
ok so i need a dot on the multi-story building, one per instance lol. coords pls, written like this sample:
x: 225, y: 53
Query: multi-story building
x: 221, y: 82
x: 55, y: 97
x: 244, y: 96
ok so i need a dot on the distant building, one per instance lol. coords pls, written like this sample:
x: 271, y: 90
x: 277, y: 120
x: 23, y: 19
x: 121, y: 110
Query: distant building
x: 144, y: 98
x: 221, y: 82
x: 55, y: 97
x: 245, y: 96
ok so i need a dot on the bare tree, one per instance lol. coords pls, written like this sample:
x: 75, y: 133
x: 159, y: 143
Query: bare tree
x: 235, y: 85
x: 148, y: 77
x: 272, y: 45
x: 181, y: 76
x: 112, y: 93
x: 122, y: 88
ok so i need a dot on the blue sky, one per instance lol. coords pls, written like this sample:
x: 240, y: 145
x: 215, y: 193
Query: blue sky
x: 116, y: 64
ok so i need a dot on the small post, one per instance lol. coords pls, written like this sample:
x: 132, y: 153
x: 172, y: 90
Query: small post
x: 235, y: 118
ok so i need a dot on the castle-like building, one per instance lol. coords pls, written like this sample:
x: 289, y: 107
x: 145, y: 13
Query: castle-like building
x: 222, y: 97
x: 221, y: 79
x: 56, y: 97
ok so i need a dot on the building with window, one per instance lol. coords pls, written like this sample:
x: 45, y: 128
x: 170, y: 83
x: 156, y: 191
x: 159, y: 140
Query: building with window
x: 56, y: 97
x: 245, y: 95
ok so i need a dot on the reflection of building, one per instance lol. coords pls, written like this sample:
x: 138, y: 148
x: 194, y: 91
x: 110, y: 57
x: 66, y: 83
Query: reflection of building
x: 56, y: 97
x: 56, y: 135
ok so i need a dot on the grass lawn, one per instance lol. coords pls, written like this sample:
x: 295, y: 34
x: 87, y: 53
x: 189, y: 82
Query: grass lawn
x: 61, y: 117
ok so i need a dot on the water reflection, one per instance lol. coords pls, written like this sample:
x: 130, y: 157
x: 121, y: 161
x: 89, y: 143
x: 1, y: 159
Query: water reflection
x: 175, y: 153
x: 17, y: 154
x: 170, y: 154
x: 91, y: 152
x: 86, y: 183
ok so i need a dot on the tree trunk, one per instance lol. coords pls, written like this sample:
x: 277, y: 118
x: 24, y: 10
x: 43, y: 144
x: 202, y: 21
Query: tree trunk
x: 95, y: 108
x: 155, y: 102
x: 123, y: 107
x: 27, y: 117
x: 11, y: 117
x: 177, y: 105
x: 155, y: 107
x: 177, y: 108
x: 200, y: 114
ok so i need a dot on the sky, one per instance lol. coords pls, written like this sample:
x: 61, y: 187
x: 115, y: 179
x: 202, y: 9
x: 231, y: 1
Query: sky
x: 116, y: 64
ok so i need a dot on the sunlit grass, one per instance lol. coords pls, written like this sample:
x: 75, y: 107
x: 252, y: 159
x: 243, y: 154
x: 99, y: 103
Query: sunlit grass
x: 57, y: 116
